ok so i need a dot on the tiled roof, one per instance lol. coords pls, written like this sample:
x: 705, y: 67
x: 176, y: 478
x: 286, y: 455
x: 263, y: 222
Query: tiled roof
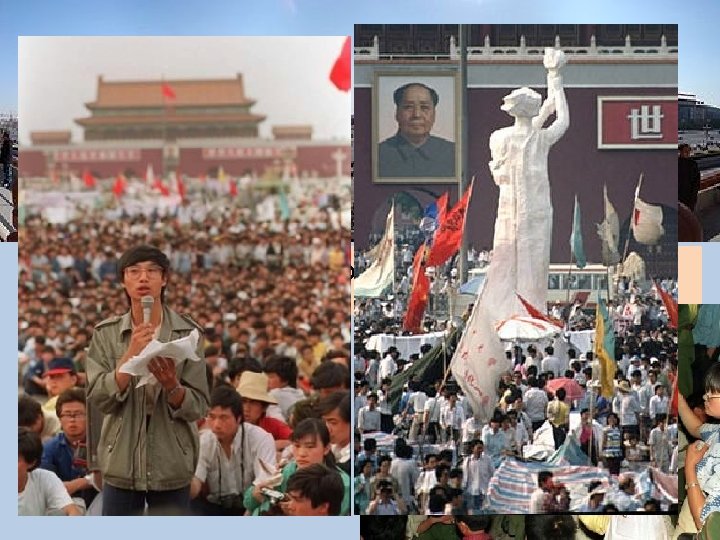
x: 188, y: 93
x: 172, y: 119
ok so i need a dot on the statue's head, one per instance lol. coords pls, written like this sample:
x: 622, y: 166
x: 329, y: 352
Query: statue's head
x: 522, y: 102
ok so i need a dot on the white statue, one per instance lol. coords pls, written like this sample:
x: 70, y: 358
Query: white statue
x: 523, y: 233
x: 523, y: 227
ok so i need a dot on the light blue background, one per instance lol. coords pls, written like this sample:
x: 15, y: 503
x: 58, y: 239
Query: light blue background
x: 290, y: 17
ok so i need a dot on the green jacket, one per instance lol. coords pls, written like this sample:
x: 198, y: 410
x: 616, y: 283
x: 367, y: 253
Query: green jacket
x: 288, y: 470
x: 136, y: 451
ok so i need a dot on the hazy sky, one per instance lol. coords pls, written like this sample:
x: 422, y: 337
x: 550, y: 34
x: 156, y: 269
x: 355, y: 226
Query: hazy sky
x: 697, y: 22
x: 287, y: 76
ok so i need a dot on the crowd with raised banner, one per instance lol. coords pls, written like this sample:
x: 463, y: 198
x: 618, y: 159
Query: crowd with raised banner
x: 241, y: 404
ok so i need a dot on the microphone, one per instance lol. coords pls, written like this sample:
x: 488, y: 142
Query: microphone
x: 147, y: 304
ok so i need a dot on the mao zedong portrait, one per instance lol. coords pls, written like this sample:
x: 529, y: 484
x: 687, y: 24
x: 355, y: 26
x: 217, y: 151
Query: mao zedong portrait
x: 413, y: 151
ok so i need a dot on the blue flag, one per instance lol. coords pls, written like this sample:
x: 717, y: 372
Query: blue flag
x: 576, y: 241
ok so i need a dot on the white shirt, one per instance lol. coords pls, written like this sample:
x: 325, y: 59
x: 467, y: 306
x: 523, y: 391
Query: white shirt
x: 551, y: 363
x: 537, y: 502
x: 368, y: 420
x: 471, y: 429
x: 418, y: 400
x: 536, y: 401
x: 244, y: 458
x: 477, y: 474
x: 44, y: 492
x: 406, y: 473
x: 433, y: 409
x: 452, y: 417
x: 286, y: 398
x: 658, y: 405
x: 388, y: 367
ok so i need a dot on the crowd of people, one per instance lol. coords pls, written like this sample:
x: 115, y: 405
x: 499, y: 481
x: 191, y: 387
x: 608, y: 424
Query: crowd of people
x: 517, y: 527
x: 428, y: 442
x: 261, y: 425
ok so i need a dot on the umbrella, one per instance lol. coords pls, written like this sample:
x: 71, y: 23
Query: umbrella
x: 473, y: 286
x: 518, y: 329
x: 573, y: 390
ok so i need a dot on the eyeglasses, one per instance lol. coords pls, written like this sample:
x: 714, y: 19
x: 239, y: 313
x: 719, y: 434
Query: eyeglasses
x: 708, y: 397
x: 153, y: 272
x: 73, y: 415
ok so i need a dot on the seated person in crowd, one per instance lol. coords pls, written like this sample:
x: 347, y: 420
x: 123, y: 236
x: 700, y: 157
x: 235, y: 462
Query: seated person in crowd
x: 233, y: 454
x: 256, y: 400
x: 60, y: 376
x: 316, y: 490
x: 40, y: 492
x: 311, y: 444
x: 330, y: 377
x: 335, y: 411
x: 66, y: 453
x: 282, y: 374
x: 31, y: 416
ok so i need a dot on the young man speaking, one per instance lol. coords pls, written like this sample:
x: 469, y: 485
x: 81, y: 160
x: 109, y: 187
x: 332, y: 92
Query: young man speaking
x: 148, y: 446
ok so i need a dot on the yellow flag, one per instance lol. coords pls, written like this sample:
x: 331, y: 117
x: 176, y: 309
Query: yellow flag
x: 605, y: 349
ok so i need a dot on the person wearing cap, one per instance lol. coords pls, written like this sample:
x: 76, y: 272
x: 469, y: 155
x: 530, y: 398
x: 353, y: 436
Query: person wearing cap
x: 60, y: 376
x: 256, y: 400
x: 148, y: 446
x: 629, y: 410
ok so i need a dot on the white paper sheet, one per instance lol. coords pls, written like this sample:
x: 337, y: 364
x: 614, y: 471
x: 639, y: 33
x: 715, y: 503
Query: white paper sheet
x: 178, y: 350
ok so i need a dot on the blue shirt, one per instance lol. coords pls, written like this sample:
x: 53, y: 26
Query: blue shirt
x: 58, y: 456
x: 397, y: 157
x: 494, y: 445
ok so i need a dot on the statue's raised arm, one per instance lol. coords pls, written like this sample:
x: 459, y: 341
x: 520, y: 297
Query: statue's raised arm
x: 553, y: 61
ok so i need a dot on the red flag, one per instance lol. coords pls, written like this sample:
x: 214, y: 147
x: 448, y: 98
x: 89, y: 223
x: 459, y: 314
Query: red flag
x: 441, y: 204
x: 233, y: 188
x: 535, y: 313
x: 670, y: 305
x: 419, y: 295
x: 167, y: 91
x: 180, y: 185
x: 89, y: 179
x: 160, y: 185
x: 119, y: 186
x: 341, y: 73
x: 448, y: 236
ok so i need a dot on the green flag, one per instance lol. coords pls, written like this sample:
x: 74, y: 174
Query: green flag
x: 576, y: 241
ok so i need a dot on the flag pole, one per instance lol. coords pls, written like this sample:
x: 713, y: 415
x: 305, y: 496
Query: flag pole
x: 572, y: 257
x: 632, y: 218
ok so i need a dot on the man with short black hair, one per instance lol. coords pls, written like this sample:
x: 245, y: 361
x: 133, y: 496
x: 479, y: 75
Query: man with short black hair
x: 282, y: 374
x: 233, y: 454
x: 330, y: 377
x: 149, y: 445
x: 315, y: 490
x: 31, y: 416
x: 66, y: 453
x: 335, y: 411
x: 40, y: 492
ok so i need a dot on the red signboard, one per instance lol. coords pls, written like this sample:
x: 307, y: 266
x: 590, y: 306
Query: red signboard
x: 637, y: 122
x: 93, y: 156
x: 268, y: 152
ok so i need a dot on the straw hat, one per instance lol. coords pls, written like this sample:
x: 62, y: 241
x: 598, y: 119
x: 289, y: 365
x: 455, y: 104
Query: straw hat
x: 254, y: 386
